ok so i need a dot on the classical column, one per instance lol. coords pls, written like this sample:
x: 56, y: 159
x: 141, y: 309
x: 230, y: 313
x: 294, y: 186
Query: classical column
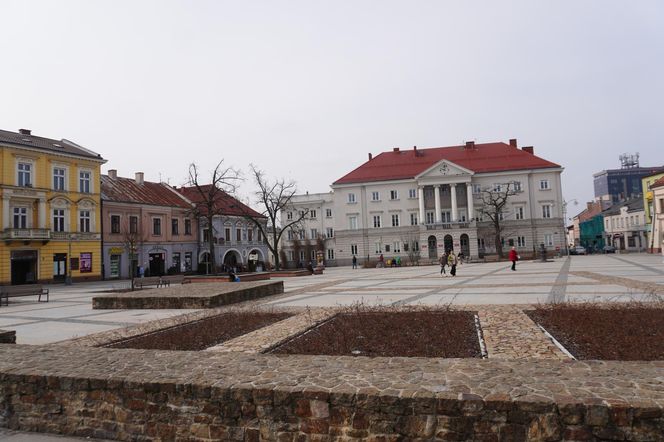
x: 5, y: 212
x: 469, y: 195
x: 436, y: 190
x: 455, y: 209
x: 41, y: 214
x: 420, y: 195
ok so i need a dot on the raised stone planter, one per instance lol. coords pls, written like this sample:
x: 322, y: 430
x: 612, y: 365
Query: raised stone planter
x: 244, y: 277
x: 204, y: 396
x: 189, y: 296
x: 289, y: 273
x: 7, y: 337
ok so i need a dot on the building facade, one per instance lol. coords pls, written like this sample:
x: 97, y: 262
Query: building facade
x: 147, y: 225
x: 238, y: 243
x: 431, y: 200
x: 649, y: 208
x: 616, y: 185
x: 50, y: 210
x: 656, y: 243
x: 624, y: 226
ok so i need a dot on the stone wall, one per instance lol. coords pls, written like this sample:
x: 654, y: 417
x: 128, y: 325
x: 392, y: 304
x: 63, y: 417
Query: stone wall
x: 202, y: 396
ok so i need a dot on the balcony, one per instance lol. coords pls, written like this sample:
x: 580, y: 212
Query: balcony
x: 26, y: 235
x: 450, y: 225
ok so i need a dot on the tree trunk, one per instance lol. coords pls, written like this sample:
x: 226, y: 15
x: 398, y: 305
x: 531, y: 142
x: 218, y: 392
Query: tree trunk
x: 275, y: 252
x: 499, y: 244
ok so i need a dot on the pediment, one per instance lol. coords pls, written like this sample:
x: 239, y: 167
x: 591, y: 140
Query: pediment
x: 445, y: 169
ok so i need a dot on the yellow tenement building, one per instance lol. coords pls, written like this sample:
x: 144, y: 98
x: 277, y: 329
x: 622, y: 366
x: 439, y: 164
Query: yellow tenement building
x: 51, y: 223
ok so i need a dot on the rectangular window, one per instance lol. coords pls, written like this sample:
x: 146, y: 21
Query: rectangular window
x: 376, y: 221
x: 187, y: 227
x: 20, y: 217
x: 378, y: 247
x: 133, y: 224
x: 351, y: 197
x: 301, y: 235
x: 518, y: 212
x: 84, y: 181
x: 330, y: 253
x: 312, y: 214
x: 546, y: 211
x: 497, y: 187
x: 176, y: 261
x: 227, y: 234
x: 289, y: 215
x: 394, y: 195
x: 548, y: 239
x: 314, y: 233
x: 517, y: 186
x: 187, y: 261
x: 59, y: 220
x: 544, y: 185
x: 84, y: 221
x: 328, y: 213
x: 25, y: 174
x: 156, y: 226
x: 413, y: 219
x: 289, y: 235
x: 206, y: 235
x: 387, y: 247
x: 329, y: 232
x: 290, y: 255
x: 115, y: 223
x: 375, y: 196
x: 175, y: 227
x: 430, y: 217
x: 301, y: 255
x: 521, y: 241
x: 260, y: 236
x: 395, y: 220
x: 58, y: 178
x: 353, y: 249
x: 412, y: 193
x: 477, y: 189
x: 238, y: 234
x: 352, y: 222
x: 250, y: 235
x: 397, y: 247
x: 405, y: 247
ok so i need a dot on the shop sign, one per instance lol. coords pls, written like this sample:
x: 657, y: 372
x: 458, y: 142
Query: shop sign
x: 116, y: 250
x: 85, y: 263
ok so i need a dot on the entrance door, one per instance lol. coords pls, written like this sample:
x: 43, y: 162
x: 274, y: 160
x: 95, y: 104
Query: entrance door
x: 465, y: 245
x: 433, y: 247
x: 24, y: 267
x: 59, y: 266
x: 449, y: 243
x: 114, y: 270
x: 157, y: 263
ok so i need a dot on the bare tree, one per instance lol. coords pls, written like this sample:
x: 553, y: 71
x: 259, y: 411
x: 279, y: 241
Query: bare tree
x: 131, y: 240
x: 494, y: 199
x: 273, y: 197
x: 411, y: 242
x: 223, y: 180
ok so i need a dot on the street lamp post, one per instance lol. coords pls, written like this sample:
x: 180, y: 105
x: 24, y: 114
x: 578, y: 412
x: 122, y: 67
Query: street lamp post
x: 68, y: 279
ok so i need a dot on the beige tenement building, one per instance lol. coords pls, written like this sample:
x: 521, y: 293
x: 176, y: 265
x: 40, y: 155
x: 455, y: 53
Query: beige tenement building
x: 421, y: 202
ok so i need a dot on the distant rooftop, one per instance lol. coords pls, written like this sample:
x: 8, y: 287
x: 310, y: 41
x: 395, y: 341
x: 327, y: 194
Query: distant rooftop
x: 25, y: 138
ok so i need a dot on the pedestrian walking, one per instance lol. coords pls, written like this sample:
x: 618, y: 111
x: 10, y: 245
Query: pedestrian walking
x: 460, y: 257
x: 443, y: 263
x: 514, y: 257
x: 354, y: 261
x: 452, y: 262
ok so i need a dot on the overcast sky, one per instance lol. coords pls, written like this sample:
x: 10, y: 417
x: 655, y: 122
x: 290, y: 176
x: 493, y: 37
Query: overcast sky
x: 305, y: 89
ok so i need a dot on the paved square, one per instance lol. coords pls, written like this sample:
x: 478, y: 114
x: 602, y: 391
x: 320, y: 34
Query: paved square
x: 602, y: 278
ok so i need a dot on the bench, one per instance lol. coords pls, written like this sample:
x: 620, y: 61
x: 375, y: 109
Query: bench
x: 171, y: 279
x: 11, y: 291
x: 145, y: 282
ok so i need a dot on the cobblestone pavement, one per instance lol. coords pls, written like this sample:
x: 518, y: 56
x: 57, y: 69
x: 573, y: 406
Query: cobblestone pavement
x: 20, y: 436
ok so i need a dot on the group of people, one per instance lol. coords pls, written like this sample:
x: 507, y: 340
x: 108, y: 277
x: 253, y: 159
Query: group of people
x: 450, y: 259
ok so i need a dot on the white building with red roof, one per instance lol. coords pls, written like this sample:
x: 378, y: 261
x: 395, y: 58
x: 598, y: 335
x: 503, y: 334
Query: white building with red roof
x: 429, y: 199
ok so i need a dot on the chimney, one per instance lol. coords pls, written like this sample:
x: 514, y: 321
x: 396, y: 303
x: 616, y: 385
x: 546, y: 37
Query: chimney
x: 513, y: 143
x: 370, y: 156
x: 470, y: 145
x: 139, y: 178
x: 112, y: 173
x: 395, y: 150
x: 529, y: 149
x: 24, y: 131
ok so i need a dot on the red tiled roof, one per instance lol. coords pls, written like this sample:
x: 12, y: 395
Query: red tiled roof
x: 405, y: 164
x: 658, y: 183
x: 126, y: 190
x: 224, y: 204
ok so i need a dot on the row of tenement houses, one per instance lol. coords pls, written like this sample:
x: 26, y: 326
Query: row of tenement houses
x: 626, y: 212
x: 61, y: 218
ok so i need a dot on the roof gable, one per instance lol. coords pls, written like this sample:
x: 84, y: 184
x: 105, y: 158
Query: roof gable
x: 444, y: 168
x: 481, y: 158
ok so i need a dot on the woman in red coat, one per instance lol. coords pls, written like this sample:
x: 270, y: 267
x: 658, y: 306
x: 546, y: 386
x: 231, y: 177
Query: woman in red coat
x: 514, y: 257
